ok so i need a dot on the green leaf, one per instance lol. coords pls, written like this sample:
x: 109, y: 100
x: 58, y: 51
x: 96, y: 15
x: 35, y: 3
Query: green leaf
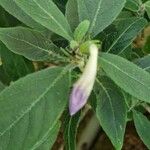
x: 72, y: 13
x: 15, y: 66
x: 93, y: 101
x: 133, y: 5
x: 137, y: 53
x: 17, y: 12
x: 127, y: 52
x: 142, y: 125
x: 81, y: 30
x: 31, y: 106
x: 30, y: 44
x: 70, y: 130
x: 125, y: 14
x: 51, y: 137
x: 127, y: 30
x: 111, y: 110
x: 47, y: 14
x: 147, y: 8
x: 144, y: 63
x: 127, y: 75
x: 1, y: 86
x: 100, y: 13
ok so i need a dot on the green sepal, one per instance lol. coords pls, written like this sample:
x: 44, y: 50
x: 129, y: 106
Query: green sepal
x: 84, y: 48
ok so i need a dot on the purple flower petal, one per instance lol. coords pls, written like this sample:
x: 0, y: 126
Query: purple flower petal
x: 78, y: 99
x: 84, y: 85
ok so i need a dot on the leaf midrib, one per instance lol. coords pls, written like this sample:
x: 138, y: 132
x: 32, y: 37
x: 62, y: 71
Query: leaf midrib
x: 36, y: 101
x: 111, y: 105
x: 53, y: 18
x: 35, y: 46
x: 96, y: 14
x: 128, y: 44
x: 121, y: 35
x: 115, y: 66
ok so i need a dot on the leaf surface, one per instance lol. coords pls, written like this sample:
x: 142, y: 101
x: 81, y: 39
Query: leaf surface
x: 111, y: 110
x: 31, y: 107
x: 100, y: 13
x: 127, y: 75
x: 15, y: 66
x: 127, y: 30
x: 72, y: 13
x: 17, y: 12
x: 47, y: 14
x: 142, y: 125
x: 30, y: 44
x: 70, y: 130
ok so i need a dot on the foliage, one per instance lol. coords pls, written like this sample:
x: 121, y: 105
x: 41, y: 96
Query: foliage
x: 44, y: 46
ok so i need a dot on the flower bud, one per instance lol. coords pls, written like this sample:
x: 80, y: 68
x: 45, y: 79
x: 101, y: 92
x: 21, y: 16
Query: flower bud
x: 83, y: 87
